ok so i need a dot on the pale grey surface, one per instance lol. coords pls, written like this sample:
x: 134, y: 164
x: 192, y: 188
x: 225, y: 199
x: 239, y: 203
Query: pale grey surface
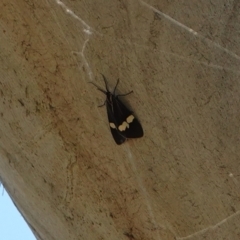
x: 60, y: 163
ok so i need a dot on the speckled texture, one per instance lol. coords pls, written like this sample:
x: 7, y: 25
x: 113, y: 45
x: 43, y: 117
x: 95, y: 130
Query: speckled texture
x: 58, y: 159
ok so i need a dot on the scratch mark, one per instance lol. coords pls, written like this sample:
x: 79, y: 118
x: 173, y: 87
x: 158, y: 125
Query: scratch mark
x: 213, y: 227
x: 190, y: 30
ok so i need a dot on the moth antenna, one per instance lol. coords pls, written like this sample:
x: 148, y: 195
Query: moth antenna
x: 105, y: 80
x: 116, y: 87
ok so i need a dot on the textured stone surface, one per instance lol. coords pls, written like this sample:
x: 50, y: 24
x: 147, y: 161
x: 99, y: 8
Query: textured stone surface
x: 58, y: 160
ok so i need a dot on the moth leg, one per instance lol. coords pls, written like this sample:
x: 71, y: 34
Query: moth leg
x: 105, y: 80
x: 98, y: 88
x: 121, y: 95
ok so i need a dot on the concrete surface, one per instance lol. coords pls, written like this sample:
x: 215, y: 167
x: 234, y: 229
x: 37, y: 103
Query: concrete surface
x: 58, y: 160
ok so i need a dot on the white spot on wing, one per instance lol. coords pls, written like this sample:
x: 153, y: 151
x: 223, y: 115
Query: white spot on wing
x: 123, y: 126
x: 130, y: 119
x: 112, y: 125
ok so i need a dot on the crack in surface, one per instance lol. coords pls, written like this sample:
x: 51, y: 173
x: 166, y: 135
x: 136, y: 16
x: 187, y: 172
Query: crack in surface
x: 212, y: 227
x: 190, y: 30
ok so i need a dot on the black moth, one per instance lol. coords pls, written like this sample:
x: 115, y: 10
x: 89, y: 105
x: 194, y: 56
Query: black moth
x: 122, y: 122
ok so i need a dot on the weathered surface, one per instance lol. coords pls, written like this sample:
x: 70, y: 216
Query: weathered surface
x: 58, y: 159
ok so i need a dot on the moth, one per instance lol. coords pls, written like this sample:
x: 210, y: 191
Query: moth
x: 123, y: 124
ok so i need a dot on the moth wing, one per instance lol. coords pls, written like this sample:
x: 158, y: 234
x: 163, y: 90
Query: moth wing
x: 118, y: 137
x: 126, y: 122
